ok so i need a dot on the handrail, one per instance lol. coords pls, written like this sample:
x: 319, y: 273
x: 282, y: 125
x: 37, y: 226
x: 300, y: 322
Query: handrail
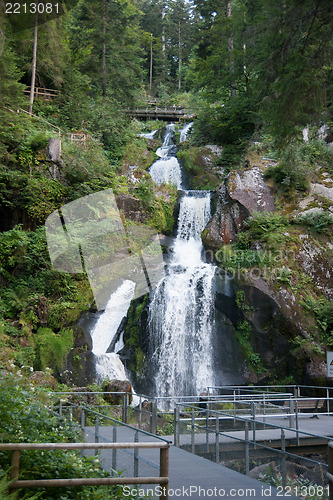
x: 16, y: 448
x: 120, y: 423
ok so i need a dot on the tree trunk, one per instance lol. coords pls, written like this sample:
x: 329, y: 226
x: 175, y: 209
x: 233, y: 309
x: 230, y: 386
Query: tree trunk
x: 34, y: 64
x: 104, y: 54
x: 151, y: 62
x: 163, y: 40
x: 179, y: 56
x: 231, y: 53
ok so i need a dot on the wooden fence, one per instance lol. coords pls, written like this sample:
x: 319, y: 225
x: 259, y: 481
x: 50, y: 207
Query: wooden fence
x: 17, y: 448
x: 41, y: 92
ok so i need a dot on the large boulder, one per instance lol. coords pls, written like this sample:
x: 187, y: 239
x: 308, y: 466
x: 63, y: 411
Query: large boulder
x: 131, y: 207
x: 242, y: 194
x: 117, y: 387
x: 249, y: 189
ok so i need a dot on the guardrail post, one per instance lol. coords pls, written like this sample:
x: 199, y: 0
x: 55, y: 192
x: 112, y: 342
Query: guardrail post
x: 114, y: 451
x: 125, y: 407
x: 217, y: 439
x: 140, y: 413
x: 207, y: 431
x: 70, y: 417
x: 176, y: 426
x: 291, y: 411
x: 153, y: 417
x: 83, y: 419
x: 328, y: 400
x: 164, y: 471
x: 330, y: 468
x: 296, y: 422
x: 96, y: 433
x: 60, y: 408
x: 253, y: 414
x: 192, y: 431
x: 136, y: 452
x: 247, y: 449
x: 283, y: 460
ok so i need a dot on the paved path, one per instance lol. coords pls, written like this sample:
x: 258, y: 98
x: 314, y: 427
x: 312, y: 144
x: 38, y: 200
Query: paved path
x: 191, y: 476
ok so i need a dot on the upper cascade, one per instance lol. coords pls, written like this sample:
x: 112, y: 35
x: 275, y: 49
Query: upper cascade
x: 167, y: 169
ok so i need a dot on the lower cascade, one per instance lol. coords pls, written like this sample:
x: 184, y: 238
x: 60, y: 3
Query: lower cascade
x: 108, y: 364
x: 182, y: 308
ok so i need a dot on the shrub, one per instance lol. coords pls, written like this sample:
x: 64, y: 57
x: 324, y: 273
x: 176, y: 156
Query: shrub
x: 292, y: 171
x: 51, y: 348
x: 318, y: 221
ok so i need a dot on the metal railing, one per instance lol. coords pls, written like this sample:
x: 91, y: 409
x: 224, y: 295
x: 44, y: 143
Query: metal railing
x: 17, y: 448
x: 99, y: 427
x: 244, y: 442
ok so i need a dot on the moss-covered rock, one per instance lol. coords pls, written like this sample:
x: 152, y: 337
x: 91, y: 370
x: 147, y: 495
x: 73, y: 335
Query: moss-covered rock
x: 135, y: 339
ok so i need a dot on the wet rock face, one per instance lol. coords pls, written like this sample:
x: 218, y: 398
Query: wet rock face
x: 249, y: 189
x: 317, y: 263
x: 228, y: 219
x: 242, y: 194
x: 131, y: 207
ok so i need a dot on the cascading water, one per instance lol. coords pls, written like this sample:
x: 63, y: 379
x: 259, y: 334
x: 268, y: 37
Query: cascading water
x: 184, y: 132
x: 182, y: 308
x: 109, y: 365
x: 167, y: 169
x: 181, y: 312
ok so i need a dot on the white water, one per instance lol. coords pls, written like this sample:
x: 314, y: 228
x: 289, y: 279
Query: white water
x: 167, y: 169
x: 181, y: 311
x: 150, y: 135
x: 109, y: 365
x: 184, y: 132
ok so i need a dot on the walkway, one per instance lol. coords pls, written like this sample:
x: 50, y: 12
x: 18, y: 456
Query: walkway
x: 320, y: 426
x: 191, y: 476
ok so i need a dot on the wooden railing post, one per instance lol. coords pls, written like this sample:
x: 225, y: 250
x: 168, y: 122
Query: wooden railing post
x: 15, y: 464
x: 164, y: 471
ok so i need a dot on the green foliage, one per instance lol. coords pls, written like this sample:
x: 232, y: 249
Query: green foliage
x: 265, y: 227
x: 300, y: 484
x: 132, y: 336
x: 323, y: 311
x: 291, y: 173
x: 226, y: 121
x: 26, y: 417
x: 83, y: 164
x: 243, y: 333
x: 320, y: 222
x: 51, y: 348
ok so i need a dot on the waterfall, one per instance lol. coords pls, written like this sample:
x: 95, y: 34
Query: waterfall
x: 167, y: 169
x: 109, y: 365
x: 184, y: 132
x: 182, y: 308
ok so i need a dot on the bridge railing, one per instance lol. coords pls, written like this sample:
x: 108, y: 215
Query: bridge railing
x: 17, y: 448
x: 254, y: 446
x: 98, y: 427
x: 296, y: 390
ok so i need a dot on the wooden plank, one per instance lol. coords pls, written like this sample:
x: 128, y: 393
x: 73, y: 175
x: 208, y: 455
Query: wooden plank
x: 78, y: 446
x: 54, y: 483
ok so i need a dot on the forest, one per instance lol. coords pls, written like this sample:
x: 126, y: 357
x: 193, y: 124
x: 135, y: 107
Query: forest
x: 257, y: 76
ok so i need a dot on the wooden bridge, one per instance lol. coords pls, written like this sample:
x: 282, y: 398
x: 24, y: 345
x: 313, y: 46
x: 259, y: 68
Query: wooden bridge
x: 156, y: 113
